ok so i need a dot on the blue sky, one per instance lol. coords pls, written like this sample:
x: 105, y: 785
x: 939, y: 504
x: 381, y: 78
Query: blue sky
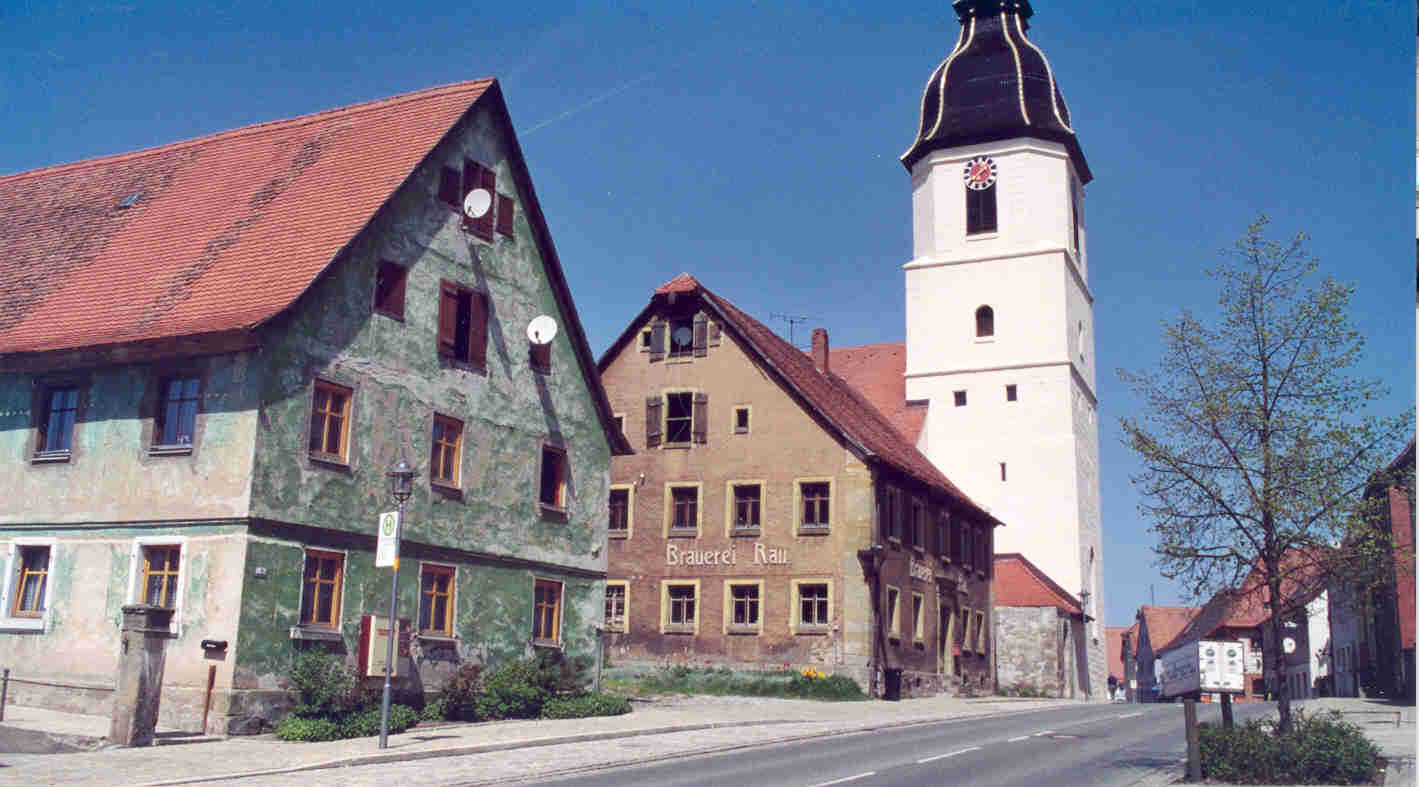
x: 755, y: 146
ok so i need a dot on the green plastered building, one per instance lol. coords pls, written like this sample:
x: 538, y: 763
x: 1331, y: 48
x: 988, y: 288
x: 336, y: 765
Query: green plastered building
x: 212, y: 352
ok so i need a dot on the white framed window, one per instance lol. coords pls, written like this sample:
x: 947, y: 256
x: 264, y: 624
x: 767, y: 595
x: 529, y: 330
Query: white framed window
x: 812, y: 505
x: 157, y: 574
x: 618, y: 605
x: 743, y: 606
x: 744, y: 508
x: 27, y: 586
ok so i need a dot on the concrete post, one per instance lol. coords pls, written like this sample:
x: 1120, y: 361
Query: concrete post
x: 140, y: 674
x: 1194, y: 749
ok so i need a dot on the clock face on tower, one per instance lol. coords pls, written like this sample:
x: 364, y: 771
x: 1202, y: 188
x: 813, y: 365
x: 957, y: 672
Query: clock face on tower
x: 980, y: 173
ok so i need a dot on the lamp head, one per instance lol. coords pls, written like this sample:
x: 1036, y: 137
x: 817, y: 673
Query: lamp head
x: 401, y: 480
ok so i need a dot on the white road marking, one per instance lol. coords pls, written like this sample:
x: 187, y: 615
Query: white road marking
x: 1015, y: 740
x: 1043, y: 733
x: 846, y: 779
x: 1131, y: 715
x: 925, y: 760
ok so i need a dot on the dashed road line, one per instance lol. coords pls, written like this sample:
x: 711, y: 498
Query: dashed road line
x: 925, y: 760
x: 1017, y: 740
x: 846, y: 779
x: 1131, y: 715
x: 1043, y: 733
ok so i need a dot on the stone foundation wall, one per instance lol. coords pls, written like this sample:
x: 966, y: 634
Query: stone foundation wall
x: 1028, y: 650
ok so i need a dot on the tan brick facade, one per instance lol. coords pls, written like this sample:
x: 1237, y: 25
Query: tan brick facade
x: 786, y: 591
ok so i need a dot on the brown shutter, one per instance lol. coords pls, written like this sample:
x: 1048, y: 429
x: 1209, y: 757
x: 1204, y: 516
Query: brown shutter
x: 652, y: 421
x: 488, y: 179
x: 701, y: 335
x: 478, y: 329
x: 448, y: 319
x: 701, y: 424
x: 714, y: 332
x: 657, y: 341
x: 505, y: 215
x: 448, y: 187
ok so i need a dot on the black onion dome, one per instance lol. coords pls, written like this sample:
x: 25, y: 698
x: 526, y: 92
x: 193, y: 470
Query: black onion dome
x: 994, y: 85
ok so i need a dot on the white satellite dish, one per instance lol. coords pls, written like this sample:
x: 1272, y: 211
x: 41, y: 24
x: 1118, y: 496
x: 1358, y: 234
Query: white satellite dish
x: 477, y: 203
x: 542, y: 329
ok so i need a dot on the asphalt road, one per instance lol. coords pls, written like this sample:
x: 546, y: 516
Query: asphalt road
x: 1088, y: 746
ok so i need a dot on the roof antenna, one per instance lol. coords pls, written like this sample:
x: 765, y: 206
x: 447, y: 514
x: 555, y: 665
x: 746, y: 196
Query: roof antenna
x: 792, y: 320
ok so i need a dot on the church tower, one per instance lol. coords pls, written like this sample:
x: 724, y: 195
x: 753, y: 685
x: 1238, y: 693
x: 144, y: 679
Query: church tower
x: 999, y: 335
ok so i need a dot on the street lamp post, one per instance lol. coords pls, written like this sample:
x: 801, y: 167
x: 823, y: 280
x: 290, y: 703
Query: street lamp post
x: 401, y: 486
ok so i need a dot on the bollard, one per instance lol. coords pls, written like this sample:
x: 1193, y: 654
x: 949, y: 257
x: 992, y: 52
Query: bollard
x: 1194, y: 748
x: 5, y: 691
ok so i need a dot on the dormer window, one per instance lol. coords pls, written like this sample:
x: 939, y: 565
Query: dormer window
x: 985, y: 322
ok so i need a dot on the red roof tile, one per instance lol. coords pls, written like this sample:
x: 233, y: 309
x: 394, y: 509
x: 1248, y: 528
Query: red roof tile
x: 1114, y: 635
x: 1164, y: 623
x: 837, y: 401
x: 1020, y: 583
x: 228, y: 229
x: 878, y: 372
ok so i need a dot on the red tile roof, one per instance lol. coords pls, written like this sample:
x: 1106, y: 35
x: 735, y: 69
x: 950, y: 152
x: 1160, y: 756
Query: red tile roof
x: 835, y: 400
x: 1164, y: 623
x: 1020, y: 583
x: 1114, y: 635
x: 227, y: 229
x: 1247, y: 606
x: 878, y: 372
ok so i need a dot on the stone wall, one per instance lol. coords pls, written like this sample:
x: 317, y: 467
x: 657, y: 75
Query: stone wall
x: 1029, y: 651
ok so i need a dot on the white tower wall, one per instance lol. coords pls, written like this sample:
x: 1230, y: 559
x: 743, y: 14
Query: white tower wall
x: 1034, y: 279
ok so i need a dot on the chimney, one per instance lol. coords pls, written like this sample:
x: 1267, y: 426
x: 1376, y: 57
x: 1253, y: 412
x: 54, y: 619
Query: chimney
x: 820, y: 350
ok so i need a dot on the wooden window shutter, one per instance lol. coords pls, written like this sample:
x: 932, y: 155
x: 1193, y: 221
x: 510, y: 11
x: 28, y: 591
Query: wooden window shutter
x: 478, y: 329
x: 714, y: 332
x: 505, y: 215
x: 448, y: 319
x: 701, y: 335
x: 488, y: 179
x: 652, y: 421
x: 701, y: 425
x: 657, y: 341
x: 448, y: 187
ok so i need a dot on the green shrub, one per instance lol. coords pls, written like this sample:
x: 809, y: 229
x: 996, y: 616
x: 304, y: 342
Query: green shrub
x: 460, y: 693
x: 584, y: 705
x: 558, y: 677
x: 325, y: 685
x: 831, y: 687
x: 301, y: 728
x: 1318, y: 750
x: 512, y: 691
x: 435, y: 711
x: 366, y: 722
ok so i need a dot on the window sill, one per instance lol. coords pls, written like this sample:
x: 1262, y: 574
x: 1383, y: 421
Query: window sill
x: 895, y: 639
x: 741, y: 431
x: 547, y: 643
x: 50, y: 457
x: 446, y: 490
x: 618, y: 628
x: 23, y: 624
x: 813, y: 530
x: 894, y: 542
x: 678, y: 629
x: 991, y: 235
x: 170, y: 450
x: 743, y: 631
x: 745, y: 532
x: 811, y: 631
x: 329, y: 460
x: 552, y: 513
x: 686, y: 358
x: 985, y: 340
x: 684, y: 533
x: 454, y: 362
x: 676, y: 446
x: 314, y: 634
x: 390, y: 315
x: 435, y: 638
x: 621, y: 535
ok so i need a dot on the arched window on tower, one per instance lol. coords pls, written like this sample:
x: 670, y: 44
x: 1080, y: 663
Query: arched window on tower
x: 985, y: 321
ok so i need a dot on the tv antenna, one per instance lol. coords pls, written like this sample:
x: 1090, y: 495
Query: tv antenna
x: 792, y: 320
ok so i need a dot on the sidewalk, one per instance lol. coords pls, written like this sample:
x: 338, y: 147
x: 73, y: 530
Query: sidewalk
x: 263, y: 755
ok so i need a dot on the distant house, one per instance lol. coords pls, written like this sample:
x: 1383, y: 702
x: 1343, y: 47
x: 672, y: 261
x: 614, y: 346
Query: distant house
x: 772, y: 516
x: 1157, y: 626
x: 1374, y: 632
x: 1123, y: 652
x: 1040, y: 638
x: 1243, y: 615
x: 212, y: 351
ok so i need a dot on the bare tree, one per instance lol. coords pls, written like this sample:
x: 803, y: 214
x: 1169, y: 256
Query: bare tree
x: 1257, y: 435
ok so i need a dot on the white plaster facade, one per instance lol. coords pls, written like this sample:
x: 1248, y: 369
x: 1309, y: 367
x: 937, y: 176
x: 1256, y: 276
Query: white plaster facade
x: 1034, y: 462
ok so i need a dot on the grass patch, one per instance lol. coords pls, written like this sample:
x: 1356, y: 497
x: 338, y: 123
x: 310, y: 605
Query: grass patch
x: 723, y: 682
